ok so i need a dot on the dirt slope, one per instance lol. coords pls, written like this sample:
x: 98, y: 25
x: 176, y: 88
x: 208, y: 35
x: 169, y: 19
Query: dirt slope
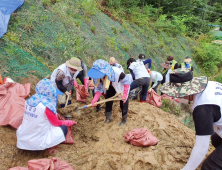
x: 102, y: 146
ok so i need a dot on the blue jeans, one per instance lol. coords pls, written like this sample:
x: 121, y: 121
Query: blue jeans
x: 144, y: 82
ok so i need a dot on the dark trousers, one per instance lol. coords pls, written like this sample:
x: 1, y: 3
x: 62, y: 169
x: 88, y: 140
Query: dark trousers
x: 144, y: 82
x: 155, y: 88
x: 214, y: 160
x: 124, y: 106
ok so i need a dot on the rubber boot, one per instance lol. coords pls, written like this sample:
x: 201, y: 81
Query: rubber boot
x: 98, y: 108
x: 124, y: 118
x: 108, y: 117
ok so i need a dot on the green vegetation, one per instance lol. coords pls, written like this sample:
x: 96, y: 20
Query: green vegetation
x: 93, y: 29
x: 53, y: 31
x: 168, y: 106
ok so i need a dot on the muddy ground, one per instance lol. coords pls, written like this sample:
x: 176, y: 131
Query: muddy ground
x: 102, y: 146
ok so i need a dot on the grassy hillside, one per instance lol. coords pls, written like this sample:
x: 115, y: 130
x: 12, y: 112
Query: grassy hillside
x: 52, y: 31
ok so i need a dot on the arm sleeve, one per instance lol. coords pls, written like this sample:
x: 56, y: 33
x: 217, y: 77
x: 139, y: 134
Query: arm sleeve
x: 176, y: 66
x: 179, y: 66
x: 198, y: 153
x: 84, y: 71
x: 124, y: 79
x: 133, y: 75
x: 155, y: 81
x: 60, y: 86
x: 191, y: 68
x: 149, y: 61
x: 53, y: 119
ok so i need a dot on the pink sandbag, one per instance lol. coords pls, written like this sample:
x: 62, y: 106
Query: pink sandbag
x: 69, y: 136
x: 12, y: 103
x: 46, y: 164
x: 164, y: 96
x: 140, y: 137
x: 153, y: 98
x: 81, y: 93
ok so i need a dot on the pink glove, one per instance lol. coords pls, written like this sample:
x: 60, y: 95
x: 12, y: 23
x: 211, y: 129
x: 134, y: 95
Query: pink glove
x: 75, y: 83
x: 69, y: 122
x: 125, y: 92
x: 85, y: 82
x: 96, y: 98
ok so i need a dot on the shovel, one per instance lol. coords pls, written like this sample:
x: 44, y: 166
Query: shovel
x: 100, y: 102
x: 67, y: 116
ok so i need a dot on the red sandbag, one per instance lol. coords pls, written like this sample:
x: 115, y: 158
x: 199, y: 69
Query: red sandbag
x: 81, y: 93
x: 153, y: 98
x: 69, y: 136
x: 164, y: 96
x: 45, y: 164
x: 140, y: 137
x: 12, y: 103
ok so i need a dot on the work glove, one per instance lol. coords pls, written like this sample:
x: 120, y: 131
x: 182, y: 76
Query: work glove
x: 75, y: 83
x: 69, y: 122
x: 150, y: 89
x: 125, y: 92
x: 86, y: 83
x: 68, y: 93
x: 96, y: 98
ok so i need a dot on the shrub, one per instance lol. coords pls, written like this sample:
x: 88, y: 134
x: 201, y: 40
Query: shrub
x: 209, y: 57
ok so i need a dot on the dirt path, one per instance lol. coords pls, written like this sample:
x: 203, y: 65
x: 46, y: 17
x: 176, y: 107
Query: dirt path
x: 102, y: 146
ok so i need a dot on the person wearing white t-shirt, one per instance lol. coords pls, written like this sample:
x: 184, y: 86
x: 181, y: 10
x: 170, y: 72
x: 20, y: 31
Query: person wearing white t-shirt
x: 156, y: 79
x: 207, y: 103
x: 140, y: 75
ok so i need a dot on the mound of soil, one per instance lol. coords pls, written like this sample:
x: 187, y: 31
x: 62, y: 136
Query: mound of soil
x: 33, y: 80
x: 102, y: 146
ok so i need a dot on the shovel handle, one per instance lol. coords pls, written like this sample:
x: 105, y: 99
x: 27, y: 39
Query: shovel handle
x: 100, y: 102
x: 67, y: 100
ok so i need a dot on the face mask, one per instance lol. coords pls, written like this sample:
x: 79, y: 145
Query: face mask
x: 182, y: 100
x: 171, y: 62
x: 71, y: 71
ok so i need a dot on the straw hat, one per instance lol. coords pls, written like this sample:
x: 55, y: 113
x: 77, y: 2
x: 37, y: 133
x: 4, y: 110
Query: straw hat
x: 187, y: 60
x: 74, y: 63
x: 112, y: 61
x: 182, y: 83
x: 166, y: 65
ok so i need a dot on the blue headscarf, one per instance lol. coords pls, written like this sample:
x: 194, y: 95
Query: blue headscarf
x: 46, y: 94
x: 104, y: 67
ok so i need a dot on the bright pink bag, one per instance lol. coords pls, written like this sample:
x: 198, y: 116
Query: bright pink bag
x: 140, y: 137
x: 153, y: 98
